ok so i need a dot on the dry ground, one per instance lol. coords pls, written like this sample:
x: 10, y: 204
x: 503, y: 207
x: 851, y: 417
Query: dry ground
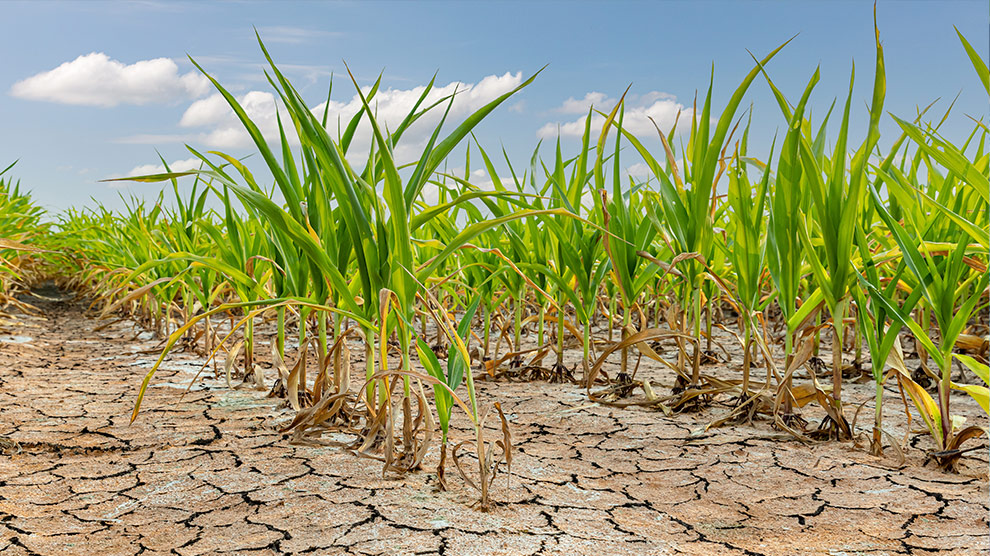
x: 210, y: 473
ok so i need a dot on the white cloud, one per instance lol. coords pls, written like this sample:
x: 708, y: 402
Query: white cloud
x: 97, y: 80
x: 478, y: 178
x: 639, y: 170
x: 224, y: 130
x: 642, y: 171
x: 661, y: 107
x: 176, y: 166
x: 208, y: 111
x: 575, y: 106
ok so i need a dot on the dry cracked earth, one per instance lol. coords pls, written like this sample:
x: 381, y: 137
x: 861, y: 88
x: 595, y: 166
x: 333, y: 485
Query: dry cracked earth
x: 209, y: 473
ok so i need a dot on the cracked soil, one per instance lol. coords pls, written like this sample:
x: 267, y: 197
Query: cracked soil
x: 209, y: 472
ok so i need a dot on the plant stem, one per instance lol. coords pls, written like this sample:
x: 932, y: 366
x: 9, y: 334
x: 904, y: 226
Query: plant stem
x: 369, y: 366
x: 626, y: 319
x: 788, y: 347
x: 747, y: 357
x: 586, y: 345
x: 560, y: 333
x: 322, y: 331
x: 488, y: 329
x: 249, y: 346
x: 405, y: 341
x: 876, y: 447
x: 611, y: 316
x: 539, y: 325
x: 838, y: 327
x: 280, y: 331
x: 303, y: 317
x: 708, y: 323
x: 517, y: 338
x: 696, y: 366
x: 944, y: 389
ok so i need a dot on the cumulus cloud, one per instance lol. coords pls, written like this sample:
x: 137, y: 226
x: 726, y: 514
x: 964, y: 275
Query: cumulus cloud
x: 222, y: 129
x: 176, y: 166
x: 661, y: 107
x: 639, y: 170
x: 478, y: 178
x: 97, y: 80
x: 580, y: 106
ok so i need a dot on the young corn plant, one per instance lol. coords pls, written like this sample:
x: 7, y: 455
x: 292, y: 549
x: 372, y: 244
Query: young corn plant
x: 512, y: 259
x: 538, y: 258
x: 518, y: 245
x: 837, y: 198
x: 878, y: 328
x: 747, y: 254
x: 480, y: 270
x: 21, y: 228
x: 881, y: 331
x: 688, y: 202
x: 953, y: 290
x: 461, y: 367
x: 449, y: 380
x: 580, y: 269
x: 628, y: 233
x: 784, y: 249
x: 380, y: 226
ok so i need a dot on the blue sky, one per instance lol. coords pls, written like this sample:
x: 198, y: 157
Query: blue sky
x: 90, y: 90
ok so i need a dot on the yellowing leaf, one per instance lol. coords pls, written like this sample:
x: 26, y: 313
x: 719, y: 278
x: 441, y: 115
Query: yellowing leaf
x: 979, y: 393
x: 980, y: 369
x: 922, y: 399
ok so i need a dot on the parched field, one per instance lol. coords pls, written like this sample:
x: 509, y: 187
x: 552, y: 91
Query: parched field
x: 724, y: 326
x: 210, y: 473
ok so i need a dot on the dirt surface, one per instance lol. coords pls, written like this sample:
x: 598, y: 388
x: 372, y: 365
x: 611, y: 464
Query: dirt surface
x: 210, y: 473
